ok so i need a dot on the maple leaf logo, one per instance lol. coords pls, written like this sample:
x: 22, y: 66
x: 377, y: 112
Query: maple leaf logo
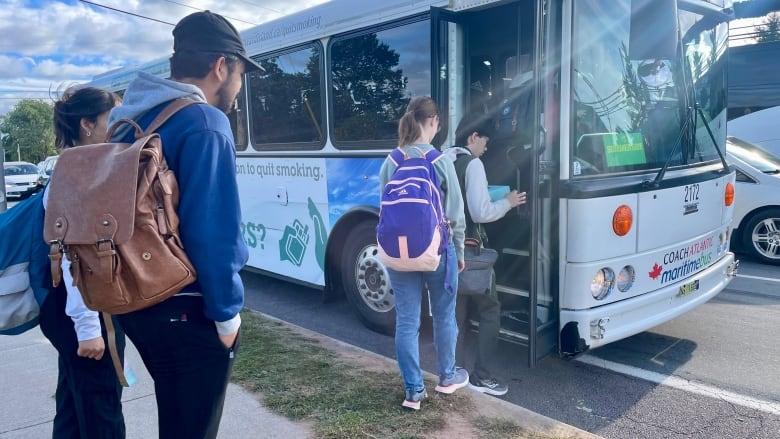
x: 656, y: 271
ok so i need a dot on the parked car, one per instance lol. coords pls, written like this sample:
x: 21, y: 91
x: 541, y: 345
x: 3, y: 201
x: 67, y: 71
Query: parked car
x: 21, y: 179
x: 759, y: 128
x: 757, y: 200
x: 46, y: 168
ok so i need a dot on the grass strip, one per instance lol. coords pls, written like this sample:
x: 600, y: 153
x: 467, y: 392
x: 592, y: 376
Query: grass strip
x: 302, y: 380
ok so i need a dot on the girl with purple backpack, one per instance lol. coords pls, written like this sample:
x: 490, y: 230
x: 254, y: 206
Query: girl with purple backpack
x: 416, y: 129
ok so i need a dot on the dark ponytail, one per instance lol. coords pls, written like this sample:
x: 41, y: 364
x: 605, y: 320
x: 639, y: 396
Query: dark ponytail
x: 75, y: 104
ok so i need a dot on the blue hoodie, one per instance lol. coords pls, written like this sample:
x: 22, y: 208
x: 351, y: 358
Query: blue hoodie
x: 199, y: 148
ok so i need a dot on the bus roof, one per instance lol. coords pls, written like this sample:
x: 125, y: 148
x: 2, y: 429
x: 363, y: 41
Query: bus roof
x: 119, y: 79
x: 328, y: 19
x: 317, y: 22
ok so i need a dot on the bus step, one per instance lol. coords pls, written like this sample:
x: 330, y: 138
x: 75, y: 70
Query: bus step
x: 513, y: 291
x: 513, y: 336
x: 515, y: 252
x: 509, y: 335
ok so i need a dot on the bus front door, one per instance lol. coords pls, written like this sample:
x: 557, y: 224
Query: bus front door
x: 481, y: 60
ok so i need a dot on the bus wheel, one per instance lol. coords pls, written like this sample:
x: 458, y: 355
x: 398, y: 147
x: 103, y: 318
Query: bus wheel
x: 761, y: 238
x: 366, y: 283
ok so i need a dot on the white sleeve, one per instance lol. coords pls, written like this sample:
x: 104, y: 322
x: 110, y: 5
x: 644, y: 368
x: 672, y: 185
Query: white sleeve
x: 86, y: 321
x: 481, y: 209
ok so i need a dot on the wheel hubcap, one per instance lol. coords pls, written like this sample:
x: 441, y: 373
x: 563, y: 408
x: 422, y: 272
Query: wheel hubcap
x: 372, y: 281
x: 766, y: 238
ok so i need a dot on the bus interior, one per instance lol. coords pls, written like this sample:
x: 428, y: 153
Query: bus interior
x: 500, y: 85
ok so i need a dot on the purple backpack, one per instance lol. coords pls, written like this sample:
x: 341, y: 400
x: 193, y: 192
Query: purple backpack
x: 413, y: 231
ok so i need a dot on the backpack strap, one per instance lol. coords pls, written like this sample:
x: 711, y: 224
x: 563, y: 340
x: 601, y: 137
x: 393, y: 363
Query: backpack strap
x: 433, y: 155
x: 397, y: 155
x: 112, y: 349
x: 474, y: 230
x: 172, y: 108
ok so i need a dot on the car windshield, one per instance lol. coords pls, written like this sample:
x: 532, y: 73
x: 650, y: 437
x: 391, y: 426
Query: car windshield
x: 20, y: 169
x: 754, y: 156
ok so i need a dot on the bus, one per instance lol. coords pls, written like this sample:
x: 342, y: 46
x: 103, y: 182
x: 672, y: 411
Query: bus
x: 610, y: 115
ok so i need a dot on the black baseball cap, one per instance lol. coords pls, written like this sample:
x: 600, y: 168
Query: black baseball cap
x: 209, y: 32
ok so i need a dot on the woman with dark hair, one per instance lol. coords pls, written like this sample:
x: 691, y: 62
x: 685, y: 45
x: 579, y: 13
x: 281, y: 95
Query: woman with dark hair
x: 80, y: 116
x: 416, y: 130
x: 88, y: 396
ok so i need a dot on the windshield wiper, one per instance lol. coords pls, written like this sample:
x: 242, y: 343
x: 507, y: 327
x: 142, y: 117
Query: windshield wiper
x: 712, y: 137
x: 691, y: 114
x: 660, y: 175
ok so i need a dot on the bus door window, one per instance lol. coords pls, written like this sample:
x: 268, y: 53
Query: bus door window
x: 501, y: 83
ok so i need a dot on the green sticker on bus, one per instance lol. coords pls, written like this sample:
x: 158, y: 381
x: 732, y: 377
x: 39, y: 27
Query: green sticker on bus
x: 624, y: 149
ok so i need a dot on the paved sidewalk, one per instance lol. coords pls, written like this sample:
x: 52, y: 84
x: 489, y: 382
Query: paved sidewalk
x: 28, y: 378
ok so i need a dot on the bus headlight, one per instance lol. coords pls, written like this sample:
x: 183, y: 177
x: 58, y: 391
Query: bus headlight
x: 625, y: 279
x: 602, y: 282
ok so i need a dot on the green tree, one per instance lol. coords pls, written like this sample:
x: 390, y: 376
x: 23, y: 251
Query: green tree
x: 30, y: 131
x: 368, y: 89
x: 770, y: 30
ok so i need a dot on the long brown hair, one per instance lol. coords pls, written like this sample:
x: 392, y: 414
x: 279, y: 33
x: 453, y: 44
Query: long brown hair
x: 417, y: 112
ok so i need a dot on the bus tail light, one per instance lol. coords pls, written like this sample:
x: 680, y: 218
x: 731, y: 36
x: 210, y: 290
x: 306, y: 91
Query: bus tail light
x: 728, y: 195
x: 622, y: 220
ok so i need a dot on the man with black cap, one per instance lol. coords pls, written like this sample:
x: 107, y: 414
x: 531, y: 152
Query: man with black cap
x: 188, y: 342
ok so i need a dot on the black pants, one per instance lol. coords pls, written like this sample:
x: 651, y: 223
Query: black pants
x: 486, y: 309
x: 88, y: 396
x: 188, y: 363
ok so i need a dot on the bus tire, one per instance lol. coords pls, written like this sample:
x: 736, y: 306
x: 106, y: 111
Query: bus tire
x: 365, y: 279
x: 761, y: 236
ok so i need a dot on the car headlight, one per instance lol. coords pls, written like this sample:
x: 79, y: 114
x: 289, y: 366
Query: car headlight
x: 602, y: 283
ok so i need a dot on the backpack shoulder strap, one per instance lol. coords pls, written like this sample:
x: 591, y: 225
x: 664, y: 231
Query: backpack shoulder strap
x: 172, y: 108
x: 397, y: 156
x: 462, y: 161
x: 433, y: 155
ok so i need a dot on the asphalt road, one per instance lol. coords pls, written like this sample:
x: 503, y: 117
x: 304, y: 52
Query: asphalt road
x: 712, y: 373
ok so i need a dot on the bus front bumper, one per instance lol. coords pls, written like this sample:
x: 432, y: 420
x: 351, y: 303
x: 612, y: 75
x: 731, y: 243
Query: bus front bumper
x: 590, y: 328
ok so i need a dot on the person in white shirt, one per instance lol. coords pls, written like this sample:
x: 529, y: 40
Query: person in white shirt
x: 88, y: 396
x: 471, y: 139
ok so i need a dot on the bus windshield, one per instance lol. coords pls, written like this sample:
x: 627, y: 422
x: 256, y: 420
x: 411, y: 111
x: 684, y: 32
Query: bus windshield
x: 640, y: 72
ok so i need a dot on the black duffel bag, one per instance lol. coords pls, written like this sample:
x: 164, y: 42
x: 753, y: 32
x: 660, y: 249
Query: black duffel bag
x: 476, y: 278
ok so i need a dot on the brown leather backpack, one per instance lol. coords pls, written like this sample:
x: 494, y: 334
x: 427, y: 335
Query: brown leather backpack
x: 112, y: 211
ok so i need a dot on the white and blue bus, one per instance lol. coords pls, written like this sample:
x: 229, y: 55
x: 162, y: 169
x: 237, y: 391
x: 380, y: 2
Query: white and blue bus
x: 610, y: 114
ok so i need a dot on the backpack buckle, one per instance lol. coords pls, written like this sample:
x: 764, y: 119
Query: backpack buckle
x: 99, y: 244
x: 56, y: 249
x: 106, y: 252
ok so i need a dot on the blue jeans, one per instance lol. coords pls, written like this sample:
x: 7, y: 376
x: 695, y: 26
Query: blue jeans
x: 408, y: 289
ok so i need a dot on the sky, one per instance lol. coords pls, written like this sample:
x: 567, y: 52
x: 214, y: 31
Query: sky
x: 48, y: 45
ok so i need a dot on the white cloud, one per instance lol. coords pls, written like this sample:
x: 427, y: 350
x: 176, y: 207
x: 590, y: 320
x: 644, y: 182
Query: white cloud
x: 58, y: 43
